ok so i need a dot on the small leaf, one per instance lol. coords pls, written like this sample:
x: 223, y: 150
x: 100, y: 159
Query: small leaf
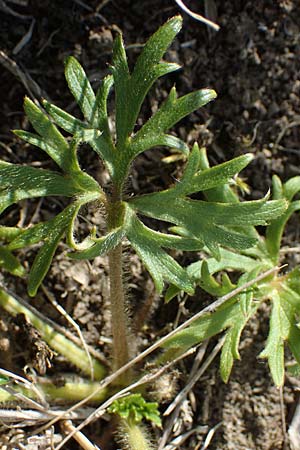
x: 56, y: 229
x: 54, y: 143
x: 160, y: 265
x: 135, y: 408
x: 81, y: 88
x: 10, y: 263
x: 171, y: 112
x: 63, y: 119
x: 21, y: 182
x: 274, y: 349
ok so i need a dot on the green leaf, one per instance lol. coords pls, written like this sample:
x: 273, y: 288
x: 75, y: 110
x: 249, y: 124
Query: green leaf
x: 172, y: 111
x: 101, y: 106
x: 213, y: 177
x: 210, y: 285
x: 63, y: 119
x: 101, y: 245
x: 131, y: 90
x: 274, y: 350
x: 10, y: 263
x: 160, y: 265
x: 206, y: 221
x: 51, y: 140
x: 56, y: 228
x: 228, y: 260
x: 121, y: 77
x: 20, y: 182
x: 135, y: 408
x: 207, y: 326
x: 81, y: 89
x: 7, y: 234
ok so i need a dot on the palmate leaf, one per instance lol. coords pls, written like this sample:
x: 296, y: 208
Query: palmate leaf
x: 132, y: 89
x: 211, y: 223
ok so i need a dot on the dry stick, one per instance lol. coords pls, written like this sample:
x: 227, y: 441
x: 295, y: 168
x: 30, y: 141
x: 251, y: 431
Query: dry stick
x: 28, y: 385
x: 31, y: 417
x: 209, y: 309
x: 210, y: 435
x: 197, y: 16
x: 25, y: 39
x: 79, y: 437
x: 31, y: 86
x: 72, y: 322
x: 176, y: 404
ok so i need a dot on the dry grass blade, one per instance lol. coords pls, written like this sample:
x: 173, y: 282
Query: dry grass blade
x: 72, y: 322
x: 79, y: 437
x: 197, y: 16
x: 175, y: 406
x: 30, y: 85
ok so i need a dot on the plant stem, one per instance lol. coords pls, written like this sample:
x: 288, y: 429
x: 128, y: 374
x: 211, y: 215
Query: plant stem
x: 119, y: 319
x: 135, y: 436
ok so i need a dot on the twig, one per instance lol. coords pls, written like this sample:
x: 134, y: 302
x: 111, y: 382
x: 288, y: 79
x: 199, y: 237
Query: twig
x: 197, y: 16
x: 8, y: 10
x: 30, y: 85
x: 28, y: 385
x: 295, y: 123
x: 101, y: 5
x: 176, y: 404
x: 72, y: 322
x: 25, y: 39
x: 210, y: 435
x: 29, y: 417
x: 79, y: 437
x: 179, y: 440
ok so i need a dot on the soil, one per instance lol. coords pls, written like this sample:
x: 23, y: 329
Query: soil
x: 253, y: 64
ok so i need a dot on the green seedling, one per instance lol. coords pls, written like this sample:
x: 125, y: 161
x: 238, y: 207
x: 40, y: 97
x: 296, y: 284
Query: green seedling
x: 212, y: 224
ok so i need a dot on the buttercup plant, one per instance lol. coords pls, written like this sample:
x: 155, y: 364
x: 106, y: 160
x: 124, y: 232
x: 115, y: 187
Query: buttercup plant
x: 219, y: 224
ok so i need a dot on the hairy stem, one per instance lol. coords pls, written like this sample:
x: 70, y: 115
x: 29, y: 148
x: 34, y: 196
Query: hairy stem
x: 135, y: 436
x: 119, y: 317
